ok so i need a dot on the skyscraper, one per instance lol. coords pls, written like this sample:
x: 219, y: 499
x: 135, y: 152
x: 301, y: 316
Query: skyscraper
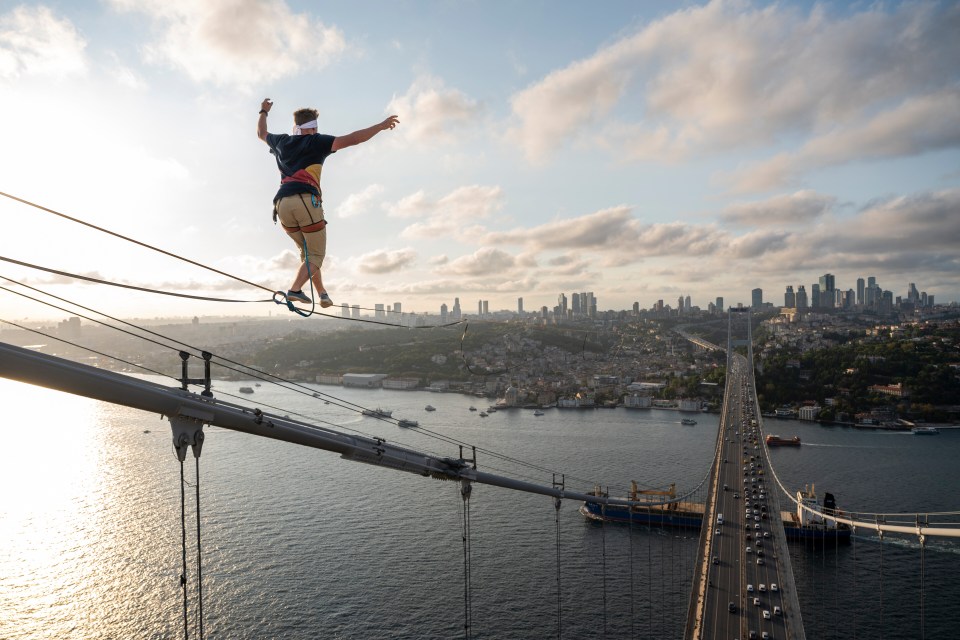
x: 801, y: 298
x: 455, y: 312
x: 827, y: 288
x: 520, y: 306
x: 790, y: 298
x: 562, y: 303
x: 719, y: 303
x: 860, y: 292
x: 575, y: 303
x: 443, y: 312
x: 815, y: 296
x: 756, y: 298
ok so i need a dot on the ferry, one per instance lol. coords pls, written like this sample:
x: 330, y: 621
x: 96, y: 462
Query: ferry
x: 925, y: 431
x: 777, y: 441
x: 538, y: 412
x: 378, y: 412
x: 403, y: 422
x: 689, y: 421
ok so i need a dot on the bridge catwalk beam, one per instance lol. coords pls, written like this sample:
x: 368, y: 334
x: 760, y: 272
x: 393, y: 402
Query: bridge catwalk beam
x: 56, y: 373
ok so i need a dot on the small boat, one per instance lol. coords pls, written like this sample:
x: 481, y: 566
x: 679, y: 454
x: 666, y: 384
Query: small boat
x: 407, y: 423
x: 473, y: 408
x: 378, y: 412
x: 257, y: 384
x: 491, y: 409
x: 538, y: 412
x: 483, y: 414
x: 246, y: 389
x: 429, y: 407
x: 688, y: 421
x: 925, y: 431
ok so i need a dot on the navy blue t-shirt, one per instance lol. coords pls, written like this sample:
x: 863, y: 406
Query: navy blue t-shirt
x: 300, y: 161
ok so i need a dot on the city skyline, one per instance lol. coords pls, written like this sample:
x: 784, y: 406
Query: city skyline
x: 643, y: 152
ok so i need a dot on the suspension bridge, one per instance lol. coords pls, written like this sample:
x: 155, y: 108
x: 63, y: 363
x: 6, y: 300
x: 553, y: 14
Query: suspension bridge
x: 740, y: 583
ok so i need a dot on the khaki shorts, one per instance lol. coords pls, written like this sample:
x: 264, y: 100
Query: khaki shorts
x: 298, y: 211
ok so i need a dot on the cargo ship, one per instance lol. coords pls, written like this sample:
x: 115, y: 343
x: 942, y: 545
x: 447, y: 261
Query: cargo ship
x: 674, y: 514
x: 777, y: 441
x: 801, y: 525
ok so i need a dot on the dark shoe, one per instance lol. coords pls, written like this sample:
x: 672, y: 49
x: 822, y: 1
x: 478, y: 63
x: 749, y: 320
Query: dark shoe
x: 325, y: 300
x: 297, y: 296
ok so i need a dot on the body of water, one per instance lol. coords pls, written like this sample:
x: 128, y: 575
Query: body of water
x: 298, y: 543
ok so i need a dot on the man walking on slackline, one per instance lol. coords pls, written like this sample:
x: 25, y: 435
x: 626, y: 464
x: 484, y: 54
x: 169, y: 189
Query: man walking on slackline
x: 298, y: 203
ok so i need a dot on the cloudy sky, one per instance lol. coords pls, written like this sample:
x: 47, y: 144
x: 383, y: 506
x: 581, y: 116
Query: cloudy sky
x: 639, y: 150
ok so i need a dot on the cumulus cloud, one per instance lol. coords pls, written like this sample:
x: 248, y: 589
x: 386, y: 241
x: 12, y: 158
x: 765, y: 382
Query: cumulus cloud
x: 432, y: 113
x: 236, y: 42
x: 379, y: 262
x: 448, y: 215
x: 920, y: 124
x: 486, y: 261
x: 357, y: 203
x: 35, y: 42
x: 728, y: 75
x: 801, y: 207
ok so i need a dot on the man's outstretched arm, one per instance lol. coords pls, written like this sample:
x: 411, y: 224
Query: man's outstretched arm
x: 341, y: 142
x: 262, y: 122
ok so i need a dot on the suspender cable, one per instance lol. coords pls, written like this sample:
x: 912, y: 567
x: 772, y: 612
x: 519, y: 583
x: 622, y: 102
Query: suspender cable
x: 880, y: 533
x: 853, y: 539
x: 633, y: 630
x: 603, y: 547
x: 199, y: 557
x: 922, y: 548
x: 183, y: 537
x: 465, y: 489
x: 556, y: 506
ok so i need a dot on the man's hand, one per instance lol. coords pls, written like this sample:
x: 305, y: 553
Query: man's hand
x: 389, y: 123
x: 266, y: 104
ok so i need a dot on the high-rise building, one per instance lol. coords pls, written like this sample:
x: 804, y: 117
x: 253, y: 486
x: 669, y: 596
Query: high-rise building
x: 378, y: 311
x: 815, y: 296
x: 443, y: 313
x: 480, y: 308
x: 860, y: 292
x: 789, y: 298
x: 687, y: 304
x: 562, y: 303
x: 575, y: 304
x: 756, y: 298
x: 912, y: 294
x: 486, y: 308
x: 355, y: 309
x: 827, y: 288
x: 719, y: 303
x: 520, y: 306
x: 680, y: 305
x: 802, y: 302
x: 828, y: 282
x: 344, y: 310
x: 397, y: 307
